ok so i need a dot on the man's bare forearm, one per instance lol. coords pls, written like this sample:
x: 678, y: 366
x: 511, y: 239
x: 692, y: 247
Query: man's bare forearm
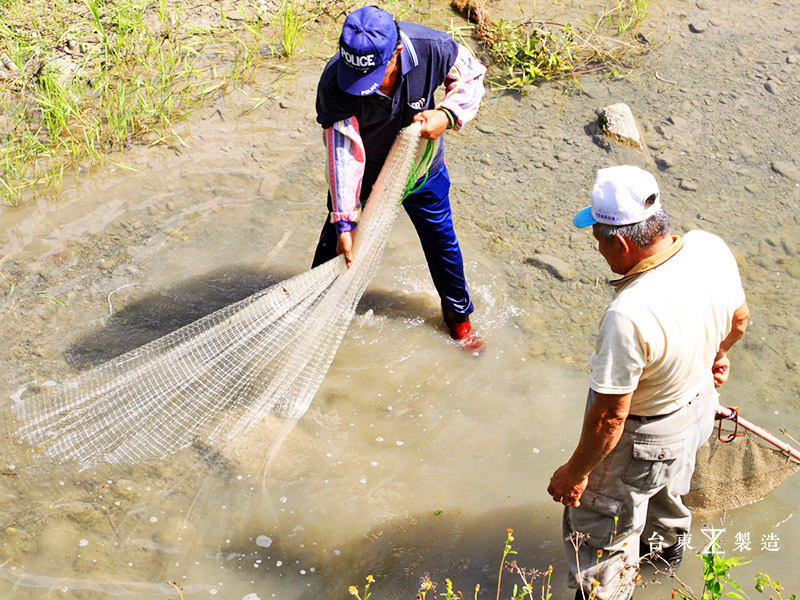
x: 602, y: 429
x: 741, y: 316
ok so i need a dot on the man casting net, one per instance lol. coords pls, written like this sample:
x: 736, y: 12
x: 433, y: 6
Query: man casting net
x: 215, y: 378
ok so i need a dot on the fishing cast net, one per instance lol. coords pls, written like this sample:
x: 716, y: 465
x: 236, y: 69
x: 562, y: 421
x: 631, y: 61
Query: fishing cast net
x: 736, y: 472
x: 213, y: 379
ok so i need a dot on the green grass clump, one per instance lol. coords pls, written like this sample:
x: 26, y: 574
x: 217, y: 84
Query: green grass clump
x: 82, y: 78
x: 528, y: 51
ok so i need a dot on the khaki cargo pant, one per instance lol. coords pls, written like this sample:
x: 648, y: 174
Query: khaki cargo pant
x: 634, y: 493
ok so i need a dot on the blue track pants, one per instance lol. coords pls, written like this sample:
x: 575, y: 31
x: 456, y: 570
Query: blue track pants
x: 429, y: 211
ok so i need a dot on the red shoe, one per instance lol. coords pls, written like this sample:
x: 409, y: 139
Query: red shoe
x: 467, y: 337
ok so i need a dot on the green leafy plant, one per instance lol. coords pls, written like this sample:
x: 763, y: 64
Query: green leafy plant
x: 529, y: 50
x: 763, y: 580
x: 716, y: 577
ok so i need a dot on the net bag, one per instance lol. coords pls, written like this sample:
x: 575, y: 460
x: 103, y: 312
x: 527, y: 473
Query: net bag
x: 734, y: 469
x: 217, y: 377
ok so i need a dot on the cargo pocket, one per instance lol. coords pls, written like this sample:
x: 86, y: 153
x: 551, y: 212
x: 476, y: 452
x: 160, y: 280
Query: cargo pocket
x: 596, y: 518
x: 655, y: 459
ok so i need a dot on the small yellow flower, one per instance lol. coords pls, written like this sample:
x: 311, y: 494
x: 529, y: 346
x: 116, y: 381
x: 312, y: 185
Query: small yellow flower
x: 426, y: 585
x: 370, y: 579
x: 353, y: 590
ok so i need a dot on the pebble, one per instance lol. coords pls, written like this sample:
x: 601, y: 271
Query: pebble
x: 688, y: 185
x: 786, y: 169
x: 771, y: 87
x: 666, y: 160
x: 557, y: 267
x: 792, y: 59
x: 698, y: 26
x: 746, y: 152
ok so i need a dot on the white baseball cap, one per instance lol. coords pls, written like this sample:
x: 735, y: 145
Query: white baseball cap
x: 618, y: 197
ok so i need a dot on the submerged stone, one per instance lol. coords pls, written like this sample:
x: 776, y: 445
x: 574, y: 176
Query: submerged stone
x: 557, y: 267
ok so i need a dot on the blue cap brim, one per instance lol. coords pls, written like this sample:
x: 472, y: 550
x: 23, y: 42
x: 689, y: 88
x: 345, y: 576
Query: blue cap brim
x: 357, y: 83
x: 584, y: 218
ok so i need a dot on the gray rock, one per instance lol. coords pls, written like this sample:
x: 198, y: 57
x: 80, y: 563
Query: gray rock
x: 786, y: 169
x: 557, y: 267
x: 771, y: 87
x: 678, y: 121
x: 698, y: 26
x: 746, y: 152
x: 667, y: 160
x: 688, y: 185
x: 617, y: 122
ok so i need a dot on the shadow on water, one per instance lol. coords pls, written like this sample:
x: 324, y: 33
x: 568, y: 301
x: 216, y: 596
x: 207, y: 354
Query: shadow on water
x: 150, y: 315
x: 448, y: 545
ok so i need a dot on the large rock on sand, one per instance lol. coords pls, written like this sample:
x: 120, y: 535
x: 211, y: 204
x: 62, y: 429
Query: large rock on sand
x: 617, y: 122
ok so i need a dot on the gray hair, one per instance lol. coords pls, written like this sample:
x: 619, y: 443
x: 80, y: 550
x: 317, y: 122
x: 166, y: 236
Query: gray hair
x: 642, y: 234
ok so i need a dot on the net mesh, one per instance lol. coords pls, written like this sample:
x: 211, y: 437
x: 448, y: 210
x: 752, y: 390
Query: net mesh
x: 215, y: 378
x: 736, y: 473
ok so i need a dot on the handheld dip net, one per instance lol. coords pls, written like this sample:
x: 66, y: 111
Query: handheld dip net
x: 739, y: 465
x: 219, y: 376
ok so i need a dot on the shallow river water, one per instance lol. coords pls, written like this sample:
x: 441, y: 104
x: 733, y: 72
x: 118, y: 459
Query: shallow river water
x: 413, y: 457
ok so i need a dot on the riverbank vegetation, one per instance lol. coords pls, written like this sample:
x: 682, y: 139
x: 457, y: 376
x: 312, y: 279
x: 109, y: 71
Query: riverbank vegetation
x: 81, y: 79
x: 717, y: 581
x: 84, y: 78
x: 527, y: 51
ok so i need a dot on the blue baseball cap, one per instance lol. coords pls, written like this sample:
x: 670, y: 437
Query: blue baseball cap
x: 367, y: 43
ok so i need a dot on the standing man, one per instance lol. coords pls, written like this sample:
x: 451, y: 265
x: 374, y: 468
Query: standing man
x: 382, y: 79
x: 661, y: 350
